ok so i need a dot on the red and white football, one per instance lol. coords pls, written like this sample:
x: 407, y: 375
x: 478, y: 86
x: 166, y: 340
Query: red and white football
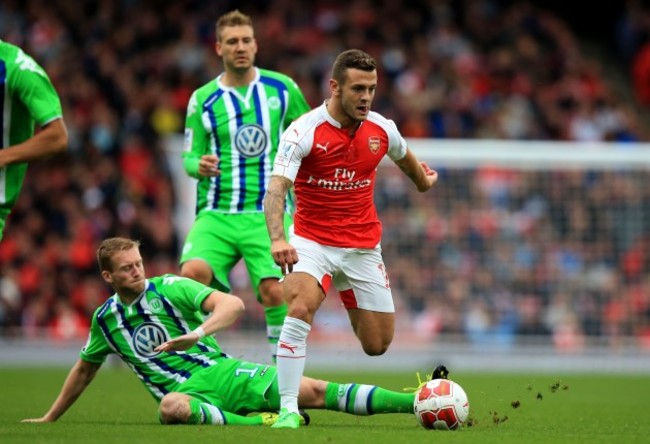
x: 441, y: 404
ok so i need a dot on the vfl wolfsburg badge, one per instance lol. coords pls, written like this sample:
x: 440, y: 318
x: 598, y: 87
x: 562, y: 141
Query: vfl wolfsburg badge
x: 273, y: 102
x: 156, y: 305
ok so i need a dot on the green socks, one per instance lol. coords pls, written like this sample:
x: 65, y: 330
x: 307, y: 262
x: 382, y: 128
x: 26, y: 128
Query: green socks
x: 274, y: 320
x: 359, y: 399
x: 203, y: 413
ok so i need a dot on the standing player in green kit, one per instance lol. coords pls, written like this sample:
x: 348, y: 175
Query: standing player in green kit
x: 27, y: 97
x: 232, y: 130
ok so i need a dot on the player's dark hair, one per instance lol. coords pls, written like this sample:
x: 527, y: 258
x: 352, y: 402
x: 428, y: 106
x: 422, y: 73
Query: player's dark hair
x: 109, y: 247
x: 232, y: 18
x: 352, y: 58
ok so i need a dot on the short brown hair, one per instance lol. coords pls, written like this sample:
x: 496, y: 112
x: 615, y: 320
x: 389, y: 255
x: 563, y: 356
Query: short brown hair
x: 109, y: 247
x: 352, y: 58
x: 232, y: 18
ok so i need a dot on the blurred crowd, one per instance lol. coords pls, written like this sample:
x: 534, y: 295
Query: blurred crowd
x: 534, y: 255
x: 499, y: 256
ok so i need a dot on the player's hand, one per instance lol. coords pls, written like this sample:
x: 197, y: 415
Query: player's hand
x: 430, y: 175
x: 34, y: 420
x: 284, y: 255
x: 180, y: 343
x: 209, y: 165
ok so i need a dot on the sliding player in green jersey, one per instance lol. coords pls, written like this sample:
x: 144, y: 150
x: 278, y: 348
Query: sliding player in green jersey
x: 193, y: 380
x: 27, y: 97
x: 232, y: 130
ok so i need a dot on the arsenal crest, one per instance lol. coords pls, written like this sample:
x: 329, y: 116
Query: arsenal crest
x: 374, y: 143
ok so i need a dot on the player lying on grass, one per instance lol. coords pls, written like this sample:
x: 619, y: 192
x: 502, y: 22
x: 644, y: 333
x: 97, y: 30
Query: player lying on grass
x: 191, y: 378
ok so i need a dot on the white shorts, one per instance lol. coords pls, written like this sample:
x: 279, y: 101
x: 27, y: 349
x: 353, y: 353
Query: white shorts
x: 358, y: 274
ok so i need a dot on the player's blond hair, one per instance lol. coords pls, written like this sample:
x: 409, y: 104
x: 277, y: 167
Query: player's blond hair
x: 109, y: 247
x: 232, y: 18
x: 352, y: 59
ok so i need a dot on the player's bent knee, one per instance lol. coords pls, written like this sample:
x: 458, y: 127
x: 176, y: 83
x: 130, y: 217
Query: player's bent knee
x: 301, y: 309
x: 271, y: 293
x: 174, y: 408
x: 375, y: 349
x: 197, y: 271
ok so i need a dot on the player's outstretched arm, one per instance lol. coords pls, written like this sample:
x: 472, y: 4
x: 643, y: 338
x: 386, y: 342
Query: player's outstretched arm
x: 52, y: 139
x: 225, y: 308
x: 78, y: 379
x: 419, y: 172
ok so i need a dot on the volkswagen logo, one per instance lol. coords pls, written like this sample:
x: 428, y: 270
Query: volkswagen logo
x: 146, y: 338
x: 250, y: 140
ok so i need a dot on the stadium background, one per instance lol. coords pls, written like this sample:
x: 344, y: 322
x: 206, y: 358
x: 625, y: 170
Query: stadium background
x: 504, y: 264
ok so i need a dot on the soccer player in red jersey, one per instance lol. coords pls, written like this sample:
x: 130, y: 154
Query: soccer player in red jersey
x: 330, y: 156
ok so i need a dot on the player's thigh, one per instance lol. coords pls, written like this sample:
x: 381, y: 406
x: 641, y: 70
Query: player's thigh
x: 363, y: 282
x: 255, y: 248
x: 319, y: 261
x: 306, y: 287
x: 374, y: 330
x: 233, y: 385
x: 213, y: 239
x: 365, y: 292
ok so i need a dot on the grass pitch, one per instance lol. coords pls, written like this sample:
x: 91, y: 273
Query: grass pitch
x: 504, y: 409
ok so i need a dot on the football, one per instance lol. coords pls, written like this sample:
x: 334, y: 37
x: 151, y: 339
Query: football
x: 441, y: 404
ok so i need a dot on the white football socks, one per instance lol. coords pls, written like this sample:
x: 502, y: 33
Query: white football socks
x: 291, y: 355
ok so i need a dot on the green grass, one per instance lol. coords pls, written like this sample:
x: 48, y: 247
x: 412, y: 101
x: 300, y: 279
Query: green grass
x: 116, y: 409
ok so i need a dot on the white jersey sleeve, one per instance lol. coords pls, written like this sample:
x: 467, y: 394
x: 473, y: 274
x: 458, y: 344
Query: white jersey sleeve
x: 295, y: 145
x: 396, y: 143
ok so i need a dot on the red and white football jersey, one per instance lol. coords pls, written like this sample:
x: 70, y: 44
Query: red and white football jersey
x: 333, y: 173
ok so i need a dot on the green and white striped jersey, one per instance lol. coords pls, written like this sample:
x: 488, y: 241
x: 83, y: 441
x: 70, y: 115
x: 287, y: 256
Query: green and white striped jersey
x: 242, y: 126
x: 169, y: 307
x: 26, y: 96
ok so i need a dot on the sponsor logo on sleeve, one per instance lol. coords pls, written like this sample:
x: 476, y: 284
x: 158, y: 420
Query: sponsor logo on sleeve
x: 192, y: 105
x: 284, y: 154
x: 187, y: 141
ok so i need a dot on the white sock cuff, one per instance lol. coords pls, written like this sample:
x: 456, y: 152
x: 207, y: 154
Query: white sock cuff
x: 273, y: 331
x: 295, y: 329
x: 216, y: 415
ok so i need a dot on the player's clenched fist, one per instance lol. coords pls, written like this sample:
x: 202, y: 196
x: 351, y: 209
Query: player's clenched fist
x: 209, y: 165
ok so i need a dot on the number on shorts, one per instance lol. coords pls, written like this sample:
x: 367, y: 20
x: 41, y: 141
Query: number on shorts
x: 382, y: 270
x: 250, y: 371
